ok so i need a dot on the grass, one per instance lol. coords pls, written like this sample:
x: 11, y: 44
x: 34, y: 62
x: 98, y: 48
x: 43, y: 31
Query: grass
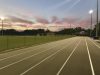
x: 11, y: 42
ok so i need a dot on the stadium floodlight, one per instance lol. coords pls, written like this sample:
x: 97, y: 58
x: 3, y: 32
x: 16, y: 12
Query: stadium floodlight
x: 91, y: 12
x: 2, y: 18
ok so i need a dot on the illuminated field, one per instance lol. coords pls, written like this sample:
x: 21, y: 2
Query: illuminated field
x: 9, y: 42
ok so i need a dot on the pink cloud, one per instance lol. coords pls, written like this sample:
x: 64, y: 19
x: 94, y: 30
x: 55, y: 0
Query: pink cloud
x: 54, y: 19
x: 41, y: 20
x: 86, y: 23
x: 70, y: 20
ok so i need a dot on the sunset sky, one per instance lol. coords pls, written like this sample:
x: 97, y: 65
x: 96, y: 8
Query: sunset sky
x: 50, y: 11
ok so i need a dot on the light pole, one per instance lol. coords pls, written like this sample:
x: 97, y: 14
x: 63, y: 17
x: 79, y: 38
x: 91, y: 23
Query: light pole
x: 2, y: 19
x: 91, y: 13
x: 97, y: 25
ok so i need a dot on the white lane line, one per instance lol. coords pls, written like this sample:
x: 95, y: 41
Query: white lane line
x: 28, y: 57
x: 21, y: 48
x: 95, y: 44
x: 92, y: 69
x: 58, y: 73
x: 17, y: 54
x: 45, y: 59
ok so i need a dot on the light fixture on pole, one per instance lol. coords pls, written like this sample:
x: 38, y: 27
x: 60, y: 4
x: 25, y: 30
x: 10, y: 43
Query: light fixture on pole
x: 91, y: 13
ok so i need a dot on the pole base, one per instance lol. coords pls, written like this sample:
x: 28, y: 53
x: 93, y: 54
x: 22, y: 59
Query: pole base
x: 95, y: 37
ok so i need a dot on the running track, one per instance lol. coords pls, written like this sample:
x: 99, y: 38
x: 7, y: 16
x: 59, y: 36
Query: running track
x: 73, y: 56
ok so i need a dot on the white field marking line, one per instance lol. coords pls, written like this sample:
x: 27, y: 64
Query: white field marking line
x: 45, y: 59
x: 30, y: 50
x: 92, y: 69
x: 20, y: 53
x: 95, y: 44
x: 58, y: 73
x: 27, y: 58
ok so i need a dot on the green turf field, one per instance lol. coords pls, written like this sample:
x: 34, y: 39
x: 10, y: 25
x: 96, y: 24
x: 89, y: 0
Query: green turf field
x: 10, y: 42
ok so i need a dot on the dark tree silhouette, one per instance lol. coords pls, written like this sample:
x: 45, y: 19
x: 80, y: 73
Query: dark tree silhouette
x: 42, y: 32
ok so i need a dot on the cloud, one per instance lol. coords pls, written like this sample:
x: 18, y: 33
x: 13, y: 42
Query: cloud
x: 54, y: 19
x: 41, y: 20
x: 16, y: 19
x: 56, y: 23
x: 18, y: 12
x: 85, y: 23
x: 70, y: 20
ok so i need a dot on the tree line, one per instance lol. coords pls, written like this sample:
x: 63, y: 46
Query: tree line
x: 42, y: 32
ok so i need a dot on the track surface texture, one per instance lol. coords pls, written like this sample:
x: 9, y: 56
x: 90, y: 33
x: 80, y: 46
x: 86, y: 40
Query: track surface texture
x: 73, y: 56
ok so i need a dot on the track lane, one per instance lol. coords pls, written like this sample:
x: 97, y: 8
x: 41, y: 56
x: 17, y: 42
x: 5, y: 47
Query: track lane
x: 95, y: 55
x: 51, y: 61
x: 50, y: 65
x: 78, y: 64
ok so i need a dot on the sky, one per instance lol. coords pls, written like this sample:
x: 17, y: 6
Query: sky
x: 61, y: 12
